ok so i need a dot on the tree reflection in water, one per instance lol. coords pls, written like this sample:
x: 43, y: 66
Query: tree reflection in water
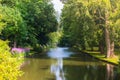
x: 110, y: 73
x: 57, y: 69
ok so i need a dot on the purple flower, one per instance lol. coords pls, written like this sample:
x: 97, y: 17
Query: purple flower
x: 20, y: 50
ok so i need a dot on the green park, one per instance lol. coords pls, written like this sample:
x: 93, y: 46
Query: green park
x: 59, y: 39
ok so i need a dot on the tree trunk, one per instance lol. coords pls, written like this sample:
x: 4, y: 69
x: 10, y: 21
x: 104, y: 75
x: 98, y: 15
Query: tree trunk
x: 107, y: 40
x: 112, y: 49
x: 107, y: 35
x: 101, y: 47
x: 15, y: 42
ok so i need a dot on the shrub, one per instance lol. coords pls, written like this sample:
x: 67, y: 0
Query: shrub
x: 9, y: 66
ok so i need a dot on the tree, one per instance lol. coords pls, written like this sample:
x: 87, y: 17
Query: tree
x: 40, y: 18
x: 9, y: 66
x: 77, y: 24
x: 28, y: 22
x: 91, y: 23
x: 15, y: 29
x: 110, y: 7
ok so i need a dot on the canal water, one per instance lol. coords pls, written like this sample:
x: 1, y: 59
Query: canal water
x: 63, y: 64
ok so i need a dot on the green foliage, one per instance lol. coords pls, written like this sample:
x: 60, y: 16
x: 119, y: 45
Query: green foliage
x: 2, y: 24
x: 54, y: 38
x: 9, y: 66
x: 41, y: 20
x: 77, y: 24
x: 84, y: 22
x: 28, y: 21
x: 25, y: 23
x: 15, y: 30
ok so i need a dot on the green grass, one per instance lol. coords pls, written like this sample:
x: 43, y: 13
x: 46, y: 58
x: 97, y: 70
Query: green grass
x: 102, y: 57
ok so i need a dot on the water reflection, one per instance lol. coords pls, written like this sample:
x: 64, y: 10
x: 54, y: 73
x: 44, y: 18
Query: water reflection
x: 57, y: 69
x: 57, y: 53
x: 59, y: 64
x: 110, y: 73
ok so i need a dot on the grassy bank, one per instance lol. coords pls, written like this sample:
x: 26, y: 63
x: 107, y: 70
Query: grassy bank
x: 102, y: 57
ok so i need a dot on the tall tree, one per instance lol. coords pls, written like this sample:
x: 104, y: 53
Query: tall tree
x: 28, y: 21
x: 77, y: 24
x: 9, y: 66
x: 91, y: 23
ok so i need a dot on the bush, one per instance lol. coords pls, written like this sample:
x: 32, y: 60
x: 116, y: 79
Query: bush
x: 9, y: 66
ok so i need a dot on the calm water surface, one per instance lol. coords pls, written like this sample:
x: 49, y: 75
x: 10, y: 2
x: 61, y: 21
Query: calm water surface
x: 62, y: 64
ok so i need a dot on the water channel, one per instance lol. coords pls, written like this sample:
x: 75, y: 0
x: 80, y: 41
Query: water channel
x: 63, y: 64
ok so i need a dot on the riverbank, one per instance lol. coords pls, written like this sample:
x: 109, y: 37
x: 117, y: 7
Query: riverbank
x: 61, y: 63
x: 101, y: 57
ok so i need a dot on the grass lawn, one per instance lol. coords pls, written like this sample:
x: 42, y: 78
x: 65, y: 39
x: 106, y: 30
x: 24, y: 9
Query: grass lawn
x: 97, y: 55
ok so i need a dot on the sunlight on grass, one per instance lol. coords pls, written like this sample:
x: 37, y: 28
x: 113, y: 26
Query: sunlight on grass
x: 97, y: 54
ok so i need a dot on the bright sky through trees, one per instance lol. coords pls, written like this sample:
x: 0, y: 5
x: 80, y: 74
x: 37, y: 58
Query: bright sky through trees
x: 58, y: 6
